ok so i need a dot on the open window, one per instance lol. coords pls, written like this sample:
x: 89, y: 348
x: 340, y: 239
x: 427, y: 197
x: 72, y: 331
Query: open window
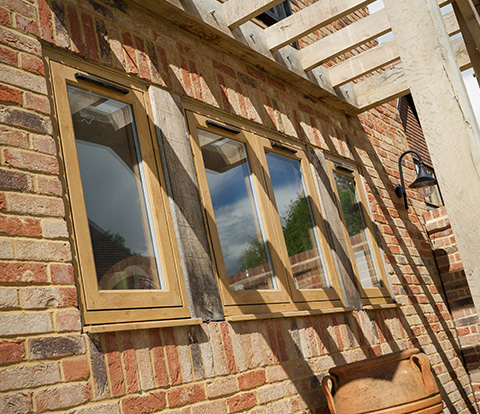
x: 266, y: 230
x: 127, y: 259
x: 362, y: 242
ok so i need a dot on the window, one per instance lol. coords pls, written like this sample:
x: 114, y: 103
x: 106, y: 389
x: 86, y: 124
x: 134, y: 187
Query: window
x: 364, y: 252
x: 266, y: 231
x: 125, y: 250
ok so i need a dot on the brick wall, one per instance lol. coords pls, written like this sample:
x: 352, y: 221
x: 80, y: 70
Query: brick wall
x: 265, y: 366
x: 457, y: 291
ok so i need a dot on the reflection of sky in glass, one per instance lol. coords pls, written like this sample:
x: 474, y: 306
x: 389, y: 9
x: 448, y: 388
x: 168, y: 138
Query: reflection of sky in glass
x: 114, y: 193
x: 297, y: 221
x: 98, y: 164
x: 233, y: 214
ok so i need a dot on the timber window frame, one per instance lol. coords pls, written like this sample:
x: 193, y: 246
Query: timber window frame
x: 350, y: 173
x: 288, y: 295
x: 134, y: 303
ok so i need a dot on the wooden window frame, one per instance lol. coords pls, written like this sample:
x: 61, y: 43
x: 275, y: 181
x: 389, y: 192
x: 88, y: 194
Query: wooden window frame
x: 373, y: 295
x: 116, y: 306
x: 257, y: 141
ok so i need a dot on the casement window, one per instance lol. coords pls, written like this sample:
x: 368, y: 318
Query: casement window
x: 363, y: 248
x: 266, y: 230
x: 126, y: 256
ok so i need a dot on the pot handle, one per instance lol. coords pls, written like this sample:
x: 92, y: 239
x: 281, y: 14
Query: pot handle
x: 328, y: 392
x: 428, y: 379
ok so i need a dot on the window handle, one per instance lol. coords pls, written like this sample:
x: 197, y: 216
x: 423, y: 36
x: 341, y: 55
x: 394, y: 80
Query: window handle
x: 100, y: 82
x: 343, y: 168
x: 221, y: 126
x: 283, y: 147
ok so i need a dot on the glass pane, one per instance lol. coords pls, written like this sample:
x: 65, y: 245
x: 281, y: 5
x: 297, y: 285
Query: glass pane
x: 124, y: 250
x: 298, y: 226
x: 357, y: 231
x: 242, y: 237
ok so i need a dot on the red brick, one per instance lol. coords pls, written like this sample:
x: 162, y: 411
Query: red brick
x: 189, y: 394
x: 13, y: 137
x: 18, y: 41
x: 144, y: 404
x: 46, y: 297
x: 75, y: 369
x: 49, y: 185
x: 159, y: 367
x: 252, y: 379
x: 61, y: 397
x: 114, y: 365
x: 129, y: 361
x: 142, y: 59
x: 62, y: 274
x: 17, y: 226
x: 22, y: 8
x: 90, y: 37
x: 5, y: 17
x: 241, y: 402
x: 13, y: 180
x: 131, y: 63
x: 227, y: 70
x: 37, y: 103
x: 14, y: 403
x: 75, y: 30
x: 22, y: 273
x: 11, y: 351
x: 173, y: 362
x: 55, y: 346
x: 222, y: 386
x: 35, y: 205
x: 31, y: 160
x: 10, y: 95
x: 227, y: 344
x: 37, y: 250
x: 27, y: 25
x: 67, y: 321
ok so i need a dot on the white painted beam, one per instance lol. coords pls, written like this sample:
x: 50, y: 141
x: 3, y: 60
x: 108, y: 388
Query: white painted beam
x: 237, y: 12
x: 305, y: 21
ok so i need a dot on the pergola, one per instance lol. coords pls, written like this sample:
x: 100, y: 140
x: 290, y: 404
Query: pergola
x: 420, y: 59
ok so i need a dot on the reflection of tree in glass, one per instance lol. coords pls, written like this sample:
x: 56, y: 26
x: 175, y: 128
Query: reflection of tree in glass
x: 296, y: 225
x: 351, y: 208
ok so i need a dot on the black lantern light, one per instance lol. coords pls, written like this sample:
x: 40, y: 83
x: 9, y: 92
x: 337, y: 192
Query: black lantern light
x: 424, y: 182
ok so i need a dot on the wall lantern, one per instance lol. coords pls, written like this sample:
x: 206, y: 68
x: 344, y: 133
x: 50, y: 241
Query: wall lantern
x: 424, y: 181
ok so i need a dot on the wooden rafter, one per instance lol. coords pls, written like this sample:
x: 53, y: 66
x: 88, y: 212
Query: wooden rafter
x: 348, y: 38
x: 392, y: 82
x: 377, y: 57
x: 237, y: 12
x: 319, y: 14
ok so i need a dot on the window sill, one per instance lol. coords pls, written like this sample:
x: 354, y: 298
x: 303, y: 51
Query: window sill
x: 116, y: 327
x: 291, y: 314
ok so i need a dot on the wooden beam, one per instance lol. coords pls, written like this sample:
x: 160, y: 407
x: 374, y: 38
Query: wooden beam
x: 319, y: 14
x: 447, y: 119
x: 204, y: 19
x: 237, y: 12
x: 469, y: 22
x: 375, y: 58
x: 348, y: 38
x: 392, y: 82
x: 363, y: 63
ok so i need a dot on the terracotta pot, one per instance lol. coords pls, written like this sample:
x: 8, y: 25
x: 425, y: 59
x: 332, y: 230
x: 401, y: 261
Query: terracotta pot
x: 398, y: 383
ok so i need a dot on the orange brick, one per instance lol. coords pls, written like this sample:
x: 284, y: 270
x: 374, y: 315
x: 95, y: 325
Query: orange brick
x: 11, y: 351
x: 189, y: 394
x: 252, y: 379
x: 144, y: 404
x: 241, y: 402
x: 76, y: 369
